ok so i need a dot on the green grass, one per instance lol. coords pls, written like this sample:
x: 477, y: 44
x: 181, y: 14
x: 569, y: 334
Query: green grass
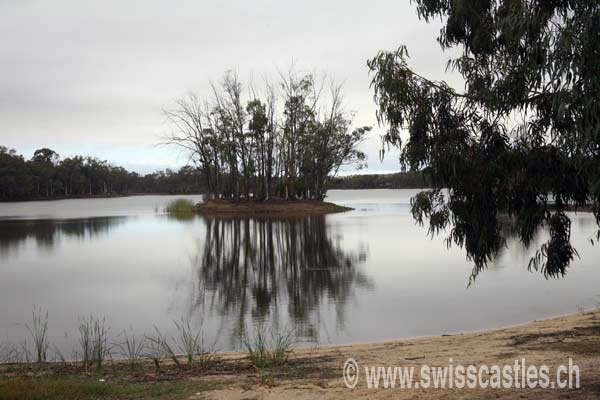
x: 83, y: 389
x: 265, y: 353
x: 181, y: 206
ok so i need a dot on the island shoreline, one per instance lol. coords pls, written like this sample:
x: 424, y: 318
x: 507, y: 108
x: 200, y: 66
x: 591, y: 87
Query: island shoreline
x: 277, y: 208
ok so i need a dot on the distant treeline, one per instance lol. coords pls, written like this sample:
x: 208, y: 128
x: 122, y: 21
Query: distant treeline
x: 400, y: 180
x: 47, y: 176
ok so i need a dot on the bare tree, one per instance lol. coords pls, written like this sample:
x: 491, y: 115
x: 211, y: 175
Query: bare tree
x: 246, y: 148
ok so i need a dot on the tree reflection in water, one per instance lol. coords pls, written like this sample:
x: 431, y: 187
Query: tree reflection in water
x: 47, y: 232
x: 251, y: 268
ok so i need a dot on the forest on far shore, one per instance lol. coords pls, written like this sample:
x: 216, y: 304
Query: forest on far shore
x: 398, y: 180
x: 47, y: 176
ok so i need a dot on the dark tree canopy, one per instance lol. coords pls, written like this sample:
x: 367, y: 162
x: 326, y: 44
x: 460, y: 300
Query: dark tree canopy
x: 284, y: 141
x: 522, y: 138
x: 47, y: 176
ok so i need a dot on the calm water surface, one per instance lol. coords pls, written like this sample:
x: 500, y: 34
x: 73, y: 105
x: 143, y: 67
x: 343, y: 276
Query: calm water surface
x: 366, y: 275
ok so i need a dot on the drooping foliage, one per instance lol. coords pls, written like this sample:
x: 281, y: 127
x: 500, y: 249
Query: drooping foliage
x: 285, y: 142
x: 522, y: 138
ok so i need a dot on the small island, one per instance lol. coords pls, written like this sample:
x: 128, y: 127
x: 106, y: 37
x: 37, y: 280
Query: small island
x: 280, y: 208
x: 267, y: 152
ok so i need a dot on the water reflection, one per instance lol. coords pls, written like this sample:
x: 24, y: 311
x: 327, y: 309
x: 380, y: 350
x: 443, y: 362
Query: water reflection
x: 47, y: 233
x: 263, y: 268
x: 313, y: 274
x: 516, y: 248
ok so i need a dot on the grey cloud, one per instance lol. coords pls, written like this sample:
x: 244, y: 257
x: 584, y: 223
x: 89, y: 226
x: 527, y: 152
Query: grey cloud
x: 100, y: 72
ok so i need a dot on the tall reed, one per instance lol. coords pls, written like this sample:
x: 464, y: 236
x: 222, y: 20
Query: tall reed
x: 189, y: 340
x: 132, y: 349
x: 11, y: 354
x: 161, y: 343
x: 154, y: 350
x: 263, y: 352
x: 39, y: 333
x: 93, y: 341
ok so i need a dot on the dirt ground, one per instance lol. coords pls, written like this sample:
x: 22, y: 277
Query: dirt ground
x: 548, y: 342
x: 274, y: 208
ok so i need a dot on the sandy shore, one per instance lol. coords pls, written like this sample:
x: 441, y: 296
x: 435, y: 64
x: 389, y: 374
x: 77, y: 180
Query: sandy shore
x: 548, y: 342
x: 318, y: 372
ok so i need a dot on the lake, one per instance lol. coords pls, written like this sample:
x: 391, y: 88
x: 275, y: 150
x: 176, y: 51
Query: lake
x: 366, y: 275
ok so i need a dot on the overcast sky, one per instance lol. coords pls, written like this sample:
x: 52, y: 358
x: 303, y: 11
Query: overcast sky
x: 91, y: 77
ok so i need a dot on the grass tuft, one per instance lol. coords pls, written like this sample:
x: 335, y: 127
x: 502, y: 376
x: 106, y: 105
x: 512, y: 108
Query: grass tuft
x: 263, y: 352
x: 189, y: 343
x: 93, y: 342
x: 39, y: 334
x: 11, y: 354
x: 132, y: 349
x: 160, y: 344
x: 188, y: 339
x: 181, y: 206
x: 154, y: 350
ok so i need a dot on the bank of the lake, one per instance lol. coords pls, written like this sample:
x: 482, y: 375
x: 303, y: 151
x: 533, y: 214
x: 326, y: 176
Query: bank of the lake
x: 550, y: 342
x: 317, y: 372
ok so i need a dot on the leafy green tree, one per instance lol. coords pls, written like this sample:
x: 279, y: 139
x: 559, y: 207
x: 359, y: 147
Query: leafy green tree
x: 15, y: 180
x: 69, y: 172
x: 44, y: 161
x: 522, y: 138
x: 46, y: 176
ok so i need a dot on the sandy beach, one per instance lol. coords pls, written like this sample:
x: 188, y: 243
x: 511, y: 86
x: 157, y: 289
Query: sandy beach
x: 549, y: 342
x: 317, y: 372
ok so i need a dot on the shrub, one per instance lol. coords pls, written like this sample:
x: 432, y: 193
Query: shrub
x: 181, y: 206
